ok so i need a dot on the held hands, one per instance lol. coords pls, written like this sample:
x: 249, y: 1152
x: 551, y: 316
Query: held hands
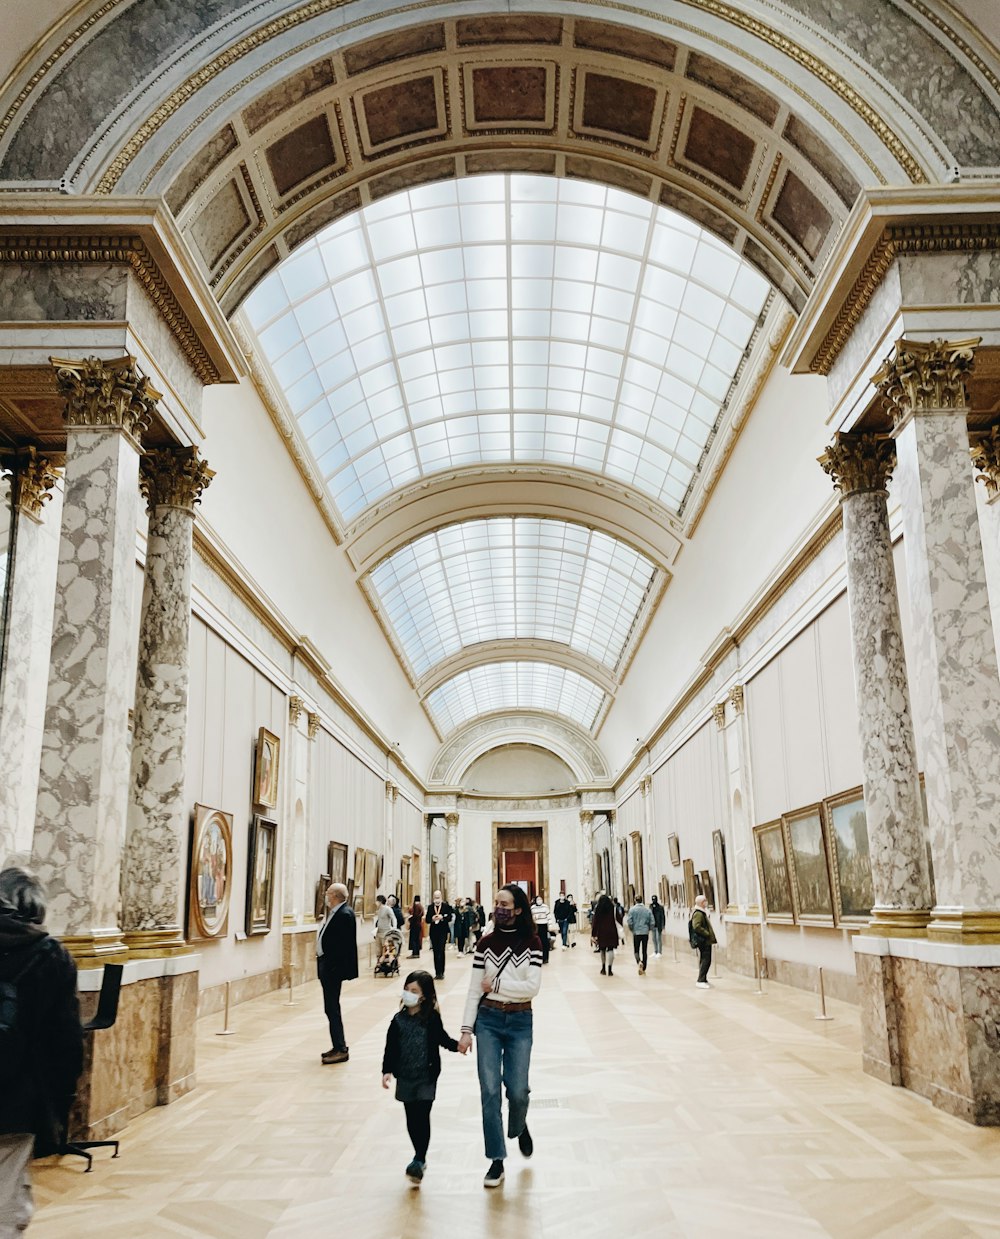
x: 464, y: 1044
x: 386, y: 1079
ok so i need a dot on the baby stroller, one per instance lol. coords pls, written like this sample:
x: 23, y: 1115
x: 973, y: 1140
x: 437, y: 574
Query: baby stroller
x: 388, y: 961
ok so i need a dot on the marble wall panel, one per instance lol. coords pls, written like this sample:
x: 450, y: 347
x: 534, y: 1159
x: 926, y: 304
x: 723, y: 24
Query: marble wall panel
x: 401, y: 110
x: 510, y: 28
x: 941, y: 279
x: 164, y: 352
x: 841, y: 986
x: 883, y: 307
x: 980, y: 990
x: 287, y: 94
x: 608, y: 174
x: 700, y: 211
x: 325, y: 213
x: 802, y: 215
x: 934, y: 1060
x: 879, y: 1018
x: 42, y: 292
x: 719, y: 148
x: 395, y: 46
x: 425, y: 173
x: 743, y: 942
x: 621, y: 41
x: 719, y: 77
x: 822, y: 158
x: 196, y: 170
x: 301, y: 154
x: 241, y: 989
x: 541, y: 162
x: 178, y: 1012
x: 507, y: 94
x: 220, y: 223
x: 617, y: 106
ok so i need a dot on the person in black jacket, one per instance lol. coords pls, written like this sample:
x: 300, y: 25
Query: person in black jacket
x: 336, y: 962
x: 41, y: 1039
x: 413, y: 1055
x: 439, y: 916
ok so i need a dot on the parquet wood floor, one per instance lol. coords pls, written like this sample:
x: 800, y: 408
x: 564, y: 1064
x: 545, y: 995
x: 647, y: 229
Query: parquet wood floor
x: 659, y: 1109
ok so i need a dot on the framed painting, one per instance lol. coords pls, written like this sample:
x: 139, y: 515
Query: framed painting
x: 370, y: 889
x: 674, y: 844
x: 260, y: 875
x: 630, y: 896
x: 775, y: 880
x: 211, y: 881
x: 638, y: 865
x: 319, y: 896
x: 358, y: 887
x: 698, y: 888
x: 721, y: 878
x: 599, y: 865
x: 689, y: 884
x: 850, y: 858
x: 809, y: 865
x: 265, y: 772
x: 336, y: 861
x: 707, y: 889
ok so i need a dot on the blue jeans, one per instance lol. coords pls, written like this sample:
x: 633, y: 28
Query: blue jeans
x: 657, y: 941
x: 564, y: 930
x: 503, y: 1056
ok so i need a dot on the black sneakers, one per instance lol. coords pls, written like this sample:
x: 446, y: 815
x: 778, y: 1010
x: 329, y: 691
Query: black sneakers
x: 415, y: 1171
x: 525, y: 1143
x: 494, y: 1176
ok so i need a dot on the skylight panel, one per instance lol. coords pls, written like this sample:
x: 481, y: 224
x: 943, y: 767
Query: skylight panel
x: 515, y: 686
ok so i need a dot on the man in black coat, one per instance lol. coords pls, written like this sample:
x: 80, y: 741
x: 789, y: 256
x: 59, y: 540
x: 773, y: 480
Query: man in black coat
x: 336, y: 962
x: 439, y: 916
x: 42, y: 1042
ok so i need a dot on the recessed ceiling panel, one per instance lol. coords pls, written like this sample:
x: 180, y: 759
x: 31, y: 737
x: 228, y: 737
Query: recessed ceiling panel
x: 508, y: 578
x: 515, y: 686
x: 507, y: 318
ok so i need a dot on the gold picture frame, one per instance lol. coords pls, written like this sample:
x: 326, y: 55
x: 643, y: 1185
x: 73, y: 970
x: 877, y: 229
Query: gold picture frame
x: 260, y: 875
x: 850, y: 857
x: 721, y: 876
x: 336, y: 861
x: 265, y: 769
x: 809, y: 865
x: 689, y: 883
x: 774, y: 872
x: 674, y: 847
x: 210, y: 884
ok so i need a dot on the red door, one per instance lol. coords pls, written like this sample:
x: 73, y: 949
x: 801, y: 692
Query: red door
x: 522, y: 867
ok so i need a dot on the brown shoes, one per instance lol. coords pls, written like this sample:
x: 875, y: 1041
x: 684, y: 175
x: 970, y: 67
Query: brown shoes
x: 334, y: 1056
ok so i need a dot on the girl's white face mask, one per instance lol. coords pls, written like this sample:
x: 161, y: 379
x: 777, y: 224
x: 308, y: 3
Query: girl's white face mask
x: 409, y: 999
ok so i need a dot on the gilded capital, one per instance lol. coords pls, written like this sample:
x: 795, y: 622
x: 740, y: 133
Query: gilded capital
x: 926, y: 376
x: 986, y: 457
x: 295, y: 707
x: 173, y: 477
x: 719, y: 714
x: 736, y: 698
x: 451, y: 820
x: 32, y: 479
x: 109, y: 394
x: 314, y: 721
x: 586, y: 818
x: 859, y: 463
x: 391, y: 790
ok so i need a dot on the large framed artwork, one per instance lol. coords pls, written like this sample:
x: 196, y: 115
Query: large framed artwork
x: 721, y: 878
x: 707, y: 889
x: 358, y: 887
x: 336, y: 861
x: 674, y: 844
x: 265, y: 772
x: 810, y: 866
x: 775, y: 880
x: 260, y: 875
x: 370, y: 889
x: 211, y: 880
x: 319, y: 896
x: 689, y: 884
x: 851, y: 859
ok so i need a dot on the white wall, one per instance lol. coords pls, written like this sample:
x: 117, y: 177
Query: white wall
x: 518, y: 768
x: 475, y: 855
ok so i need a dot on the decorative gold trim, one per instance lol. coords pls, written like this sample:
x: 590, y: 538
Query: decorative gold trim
x: 132, y: 252
x: 935, y: 238
x: 959, y: 926
x: 156, y: 943
x: 32, y: 479
x: 95, y: 950
x: 719, y: 714
x: 859, y: 463
x: 736, y: 697
x: 985, y: 453
x: 314, y: 722
x: 173, y: 477
x: 295, y: 707
x: 105, y: 394
x: 926, y: 377
x: 897, y: 923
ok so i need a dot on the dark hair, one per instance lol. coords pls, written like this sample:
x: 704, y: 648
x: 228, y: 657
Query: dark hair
x: 23, y: 895
x: 380, y: 898
x: 604, y: 904
x: 523, y: 925
x: 426, y: 983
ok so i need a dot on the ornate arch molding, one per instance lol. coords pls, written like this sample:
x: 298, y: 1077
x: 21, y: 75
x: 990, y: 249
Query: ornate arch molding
x: 716, y: 112
x: 522, y: 650
x: 567, y: 742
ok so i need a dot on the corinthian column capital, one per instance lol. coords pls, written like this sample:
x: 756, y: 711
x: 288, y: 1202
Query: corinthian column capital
x: 926, y: 376
x: 105, y: 394
x: 173, y: 477
x: 859, y: 463
x: 451, y: 820
x: 33, y: 477
x: 586, y: 817
x: 986, y: 457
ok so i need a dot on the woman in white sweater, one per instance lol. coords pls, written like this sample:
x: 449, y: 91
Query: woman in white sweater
x: 506, y: 976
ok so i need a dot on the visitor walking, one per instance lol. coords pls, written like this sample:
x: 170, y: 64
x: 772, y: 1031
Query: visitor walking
x: 413, y: 1055
x: 541, y: 915
x: 439, y: 917
x: 701, y: 929
x: 336, y: 962
x: 506, y: 976
x: 397, y: 911
x: 416, y: 920
x: 659, y: 921
x: 640, y: 922
x: 565, y: 914
x: 385, y: 922
x: 605, y: 933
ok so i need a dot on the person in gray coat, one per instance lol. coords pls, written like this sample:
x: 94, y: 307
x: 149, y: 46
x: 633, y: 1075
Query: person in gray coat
x: 640, y: 922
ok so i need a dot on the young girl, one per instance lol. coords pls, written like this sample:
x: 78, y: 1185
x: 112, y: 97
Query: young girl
x: 413, y: 1055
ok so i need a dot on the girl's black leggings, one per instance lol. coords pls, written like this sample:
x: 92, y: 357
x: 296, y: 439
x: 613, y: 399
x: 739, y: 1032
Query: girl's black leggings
x: 418, y: 1124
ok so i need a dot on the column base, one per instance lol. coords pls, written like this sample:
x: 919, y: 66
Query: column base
x: 898, y: 923
x: 155, y: 943
x: 289, y: 919
x: 968, y: 928
x: 97, y: 948
x: 927, y: 1013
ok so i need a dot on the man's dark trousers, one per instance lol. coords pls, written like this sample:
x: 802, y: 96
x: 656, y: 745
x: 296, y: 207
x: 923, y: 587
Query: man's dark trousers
x: 640, y: 943
x: 331, y: 1004
x: 704, y: 960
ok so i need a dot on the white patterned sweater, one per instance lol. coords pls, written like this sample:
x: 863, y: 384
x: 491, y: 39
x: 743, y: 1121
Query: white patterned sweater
x: 520, y: 980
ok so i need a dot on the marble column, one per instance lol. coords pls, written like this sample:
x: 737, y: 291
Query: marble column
x: 293, y: 882
x: 621, y: 883
x: 451, y: 822
x: 172, y: 480
x: 83, y: 779
x: 586, y: 858
x: 31, y: 589
x: 860, y: 466
x: 954, y: 658
x: 391, y: 864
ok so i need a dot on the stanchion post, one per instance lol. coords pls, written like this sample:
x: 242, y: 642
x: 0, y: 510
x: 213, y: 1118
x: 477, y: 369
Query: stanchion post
x: 673, y: 944
x: 226, y: 1030
x: 757, y: 974
x: 821, y: 992
x: 291, y: 987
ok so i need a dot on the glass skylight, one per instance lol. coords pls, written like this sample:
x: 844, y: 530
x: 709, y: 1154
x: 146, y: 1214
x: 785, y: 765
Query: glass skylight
x: 508, y: 319
x: 509, y: 577
x: 515, y: 686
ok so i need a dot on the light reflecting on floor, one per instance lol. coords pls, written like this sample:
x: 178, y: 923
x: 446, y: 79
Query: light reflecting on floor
x: 660, y: 1110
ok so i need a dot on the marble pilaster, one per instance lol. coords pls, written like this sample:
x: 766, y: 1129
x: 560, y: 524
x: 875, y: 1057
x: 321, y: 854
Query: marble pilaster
x: 742, y: 866
x: 860, y: 466
x: 31, y: 566
x: 83, y: 778
x: 986, y: 458
x: 451, y: 822
x: 586, y: 857
x: 391, y: 864
x: 292, y: 878
x: 152, y: 882
x: 956, y: 677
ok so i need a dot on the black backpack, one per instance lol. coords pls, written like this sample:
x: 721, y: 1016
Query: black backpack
x: 692, y: 936
x: 13, y: 1037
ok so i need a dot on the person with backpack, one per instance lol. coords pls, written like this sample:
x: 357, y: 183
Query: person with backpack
x: 702, y: 937
x: 41, y: 1043
x: 659, y: 923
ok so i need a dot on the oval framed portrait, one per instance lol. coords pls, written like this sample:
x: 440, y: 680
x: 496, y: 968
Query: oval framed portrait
x: 211, y: 872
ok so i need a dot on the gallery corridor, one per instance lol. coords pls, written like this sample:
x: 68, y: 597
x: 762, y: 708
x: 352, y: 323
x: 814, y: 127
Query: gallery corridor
x: 658, y: 1109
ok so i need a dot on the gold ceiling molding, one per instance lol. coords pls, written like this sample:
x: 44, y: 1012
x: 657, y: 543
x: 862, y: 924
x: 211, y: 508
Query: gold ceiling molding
x: 132, y: 252
x: 728, y: 13
x: 952, y: 36
x: 896, y: 240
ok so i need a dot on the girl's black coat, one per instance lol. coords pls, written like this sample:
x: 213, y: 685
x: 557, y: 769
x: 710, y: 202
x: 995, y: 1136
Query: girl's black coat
x: 436, y: 1038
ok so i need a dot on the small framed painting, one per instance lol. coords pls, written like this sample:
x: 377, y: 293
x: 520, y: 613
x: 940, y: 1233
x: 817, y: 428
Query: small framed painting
x: 707, y: 889
x: 336, y: 861
x: 689, y: 883
x: 319, y: 897
x: 211, y: 879
x: 265, y: 774
x: 721, y: 878
x: 674, y: 844
x: 810, y: 865
x: 260, y: 875
x: 775, y: 880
